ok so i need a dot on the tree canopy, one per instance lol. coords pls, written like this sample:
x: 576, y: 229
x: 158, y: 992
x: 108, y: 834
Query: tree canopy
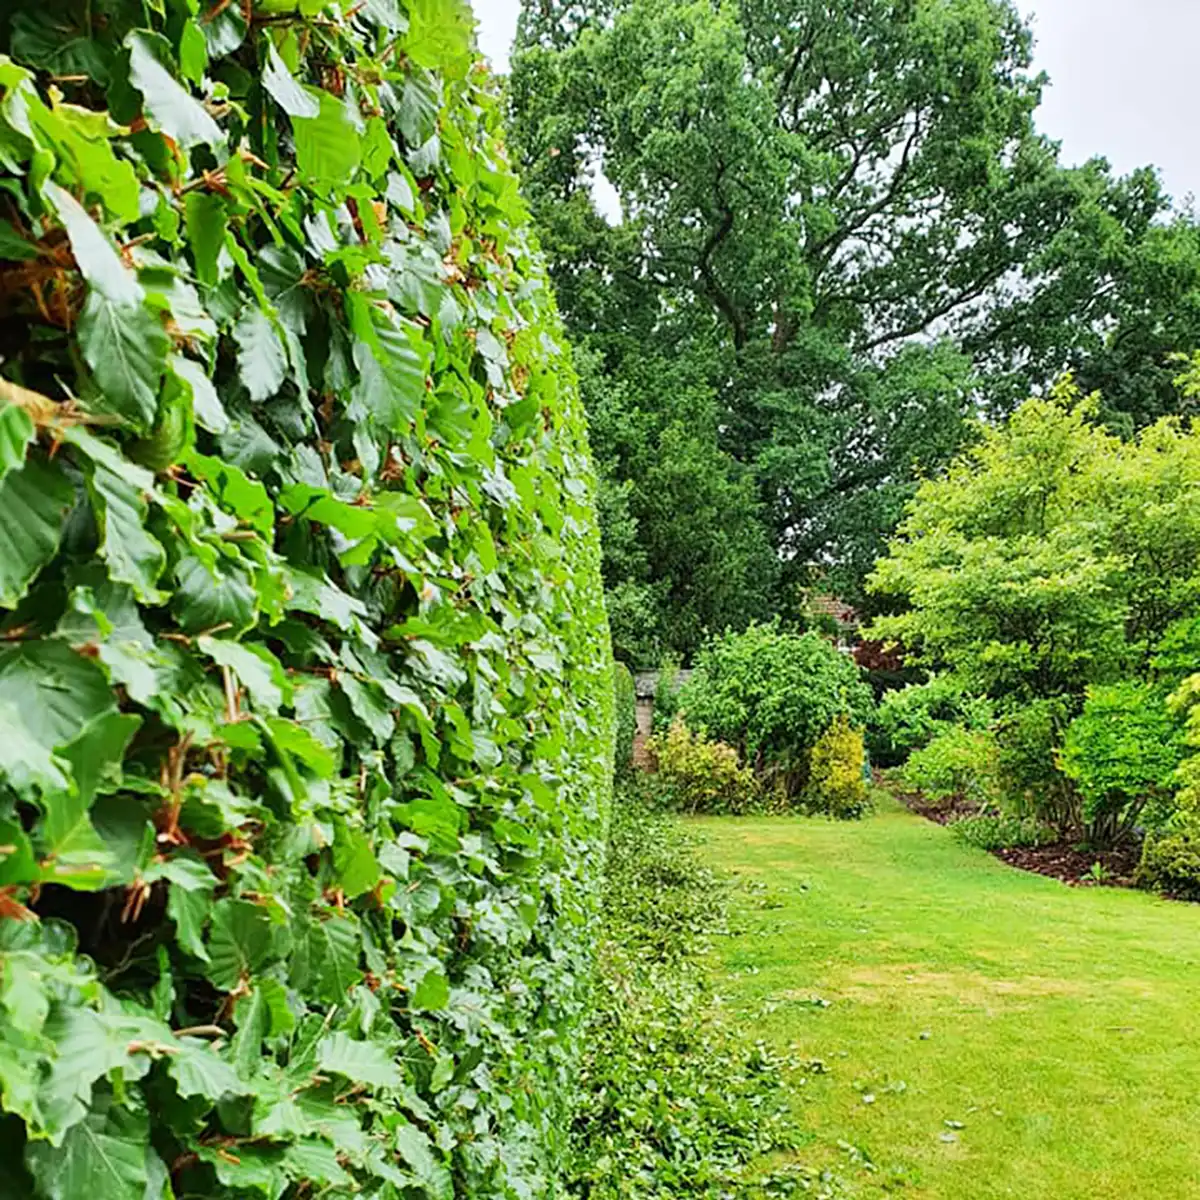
x: 840, y: 221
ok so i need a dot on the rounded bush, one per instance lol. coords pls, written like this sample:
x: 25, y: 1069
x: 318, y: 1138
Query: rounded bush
x: 957, y: 764
x: 837, y: 764
x: 698, y: 775
x: 304, y: 681
x: 771, y: 695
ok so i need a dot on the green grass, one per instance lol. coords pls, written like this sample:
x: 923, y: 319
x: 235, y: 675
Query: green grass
x: 1060, y: 1026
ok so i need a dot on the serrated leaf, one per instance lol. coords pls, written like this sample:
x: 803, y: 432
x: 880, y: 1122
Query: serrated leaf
x: 189, y: 911
x: 126, y: 349
x: 87, y: 1046
x: 206, y: 220
x: 369, y: 706
x: 35, y: 500
x: 284, y: 90
x: 73, y: 852
x: 256, y: 668
x: 105, y: 1157
x: 331, y: 952
x: 261, y: 1014
x: 206, y: 404
x: 170, y: 107
x: 315, y: 1160
x: 433, y: 992
x: 239, y: 942
x: 355, y: 866
x: 48, y: 693
x: 236, y: 492
x: 133, y: 555
x: 328, y: 147
x: 200, y: 1071
x: 414, y: 1146
x: 262, y: 359
x: 205, y: 600
x: 361, y: 1062
x: 95, y: 255
x: 16, y: 432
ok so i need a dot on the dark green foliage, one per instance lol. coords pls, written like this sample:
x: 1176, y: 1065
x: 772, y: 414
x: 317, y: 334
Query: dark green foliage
x: 1028, y: 773
x: 839, y: 226
x: 673, y: 1101
x: 771, y: 694
x: 624, y: 717
x: 304, y: 681
x: 1001, y: 831
x: 910, y: 717
x: 956, y: 764
x: 666, y: 696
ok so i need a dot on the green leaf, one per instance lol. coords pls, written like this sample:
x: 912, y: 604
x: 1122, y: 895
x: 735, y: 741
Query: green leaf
x: 261, y: 1014
x: 14, y: 247
x: 17, y: 862
x: 328, y: 147
x: 200, y: 1071
x: 438, y: 37
x: 94, y: 254
x: 262, y: 359
x: 361, y: 1062
x: 416, y: 1149
x: 369, y: 706
x: 48, y: 693
x: 433, y: 992
x: 73, y: 852
x: 190, y: 910
x: 16, y: 432
x: 354, y: 862
x: 236, y: 492
x: 329, y: 958
x: 105, y: 1156
x: 205, y: 600
x: 133, y: 555
x: 391, y: 362
x: 239, y: 942
x: 87, y: 1046
x: 193, y: 53
x: 35, y: 499
x: 256, y: 668
x: 206, y: 220
x: 206, y: 404
x: 126, y: 349
x: 312, y: 1159
x: 295, y: 740
x: 284, y: 90
x: 169, y: 106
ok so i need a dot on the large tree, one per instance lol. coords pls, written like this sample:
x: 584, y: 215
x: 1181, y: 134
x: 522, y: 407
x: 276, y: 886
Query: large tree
x: 841, y: 213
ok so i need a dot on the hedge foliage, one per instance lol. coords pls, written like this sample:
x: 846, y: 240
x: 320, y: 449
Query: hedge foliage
x: 304, y: 681
x: 624, y: 717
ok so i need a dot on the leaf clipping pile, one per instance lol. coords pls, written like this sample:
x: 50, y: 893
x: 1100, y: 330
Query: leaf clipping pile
x: 305, y: 693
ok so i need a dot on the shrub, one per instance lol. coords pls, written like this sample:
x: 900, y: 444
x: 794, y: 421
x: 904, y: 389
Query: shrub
x: 771, y: 695
x: 957, y: 763
x: 1171, y: 857
x: 1002, y: 831
x: 911, y: 717
x: 625, y: 717
x: 666, y: 697
x: 835, y: 777
x: 1029, y: 778
x: 698, y: 775
x: 304, y: 679
x: 1122, y: 752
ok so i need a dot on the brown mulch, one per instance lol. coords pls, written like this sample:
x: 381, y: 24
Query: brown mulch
x: 1062, y: 860
x: 1069, y: 864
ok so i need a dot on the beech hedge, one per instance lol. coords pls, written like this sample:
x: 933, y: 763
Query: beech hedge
x: 305, y: 689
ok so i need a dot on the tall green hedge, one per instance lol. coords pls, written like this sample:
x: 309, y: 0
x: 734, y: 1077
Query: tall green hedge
x: 305, y: 695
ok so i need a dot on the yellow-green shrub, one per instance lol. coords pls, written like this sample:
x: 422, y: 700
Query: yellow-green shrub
x: 699, y: 775
x: 835, y: 773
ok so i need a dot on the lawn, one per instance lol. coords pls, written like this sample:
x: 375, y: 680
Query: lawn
x: 971, y: 1030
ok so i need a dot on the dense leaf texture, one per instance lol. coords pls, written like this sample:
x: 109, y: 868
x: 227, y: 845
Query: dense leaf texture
x: 835, y: 217
x: 304, y: 676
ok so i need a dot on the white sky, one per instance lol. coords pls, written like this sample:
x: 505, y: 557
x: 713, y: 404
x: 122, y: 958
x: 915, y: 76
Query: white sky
x: 1122, y: 71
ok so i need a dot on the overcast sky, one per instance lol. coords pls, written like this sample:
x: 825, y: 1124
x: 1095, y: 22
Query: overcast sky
x: 1122, y: 73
